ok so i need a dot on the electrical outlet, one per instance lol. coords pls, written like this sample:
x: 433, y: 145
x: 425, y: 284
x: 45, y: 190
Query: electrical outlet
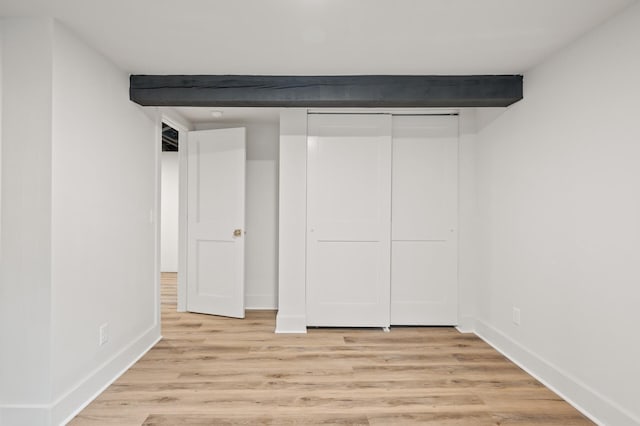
x: 516, y: 316
x: 103, y: 334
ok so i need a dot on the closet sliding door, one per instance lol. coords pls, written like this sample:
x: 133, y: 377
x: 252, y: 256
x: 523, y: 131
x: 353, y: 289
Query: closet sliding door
x: 348, y: 220
x: 424, y: 259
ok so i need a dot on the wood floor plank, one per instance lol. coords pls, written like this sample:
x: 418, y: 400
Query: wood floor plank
x: 211, y: 370
x: 283, y: 420
x: 449, y: 418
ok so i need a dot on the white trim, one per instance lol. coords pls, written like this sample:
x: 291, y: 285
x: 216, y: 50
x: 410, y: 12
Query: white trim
x: 291, y: 324
x: 157, y: 219
x: 65, y: 408
x: 383, y: 110
x: 292, y: 206
x: 467, y: 289
x: 601, y: 409
x: 173, y: 119
x: 182, y: 220
x: 72, y: 402
x: 457, y: 225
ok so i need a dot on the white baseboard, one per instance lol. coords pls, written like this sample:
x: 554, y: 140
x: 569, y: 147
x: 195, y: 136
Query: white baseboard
x: 291, y: 324
x: 67, y: 406
x: 76, y: 399
x: 588, y: 401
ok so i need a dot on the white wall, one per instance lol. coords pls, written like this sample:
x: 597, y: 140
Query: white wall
x: 169, y: 212
x: 25, y: 265
x: 1, y: 44
x: 559, y: 207
x: 104, y: 193
x: 261, y: 245
x: 79, y: 170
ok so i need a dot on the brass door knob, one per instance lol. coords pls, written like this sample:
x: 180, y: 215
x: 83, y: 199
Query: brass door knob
x: 237, y: 233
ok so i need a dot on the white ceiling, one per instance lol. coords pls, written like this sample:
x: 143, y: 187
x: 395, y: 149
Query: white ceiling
x: 319, y: 37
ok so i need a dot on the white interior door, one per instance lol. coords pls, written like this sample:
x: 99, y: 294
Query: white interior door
x: 348, y: 220
x: 215, y: 226
x: 424, y: 259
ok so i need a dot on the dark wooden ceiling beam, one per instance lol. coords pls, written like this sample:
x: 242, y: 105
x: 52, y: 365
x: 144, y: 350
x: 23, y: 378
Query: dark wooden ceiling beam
x: 406, y: 91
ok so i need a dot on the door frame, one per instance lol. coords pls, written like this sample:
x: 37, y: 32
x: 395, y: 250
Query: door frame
x: 291, y: 316
x: 174, y: 120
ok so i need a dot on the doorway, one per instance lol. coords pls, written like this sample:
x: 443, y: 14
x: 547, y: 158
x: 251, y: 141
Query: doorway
x: 171, y: 192
x: 169, y: 199
x: 262, y: 137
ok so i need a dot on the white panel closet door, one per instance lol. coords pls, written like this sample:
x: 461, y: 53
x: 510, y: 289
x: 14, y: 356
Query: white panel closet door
x: 424, y: 251
x: 348, y: 220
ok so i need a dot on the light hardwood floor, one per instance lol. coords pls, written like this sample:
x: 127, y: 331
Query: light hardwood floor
x: 216, y: 371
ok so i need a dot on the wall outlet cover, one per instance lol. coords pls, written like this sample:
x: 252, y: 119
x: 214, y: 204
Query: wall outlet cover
x: 103, y: 334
